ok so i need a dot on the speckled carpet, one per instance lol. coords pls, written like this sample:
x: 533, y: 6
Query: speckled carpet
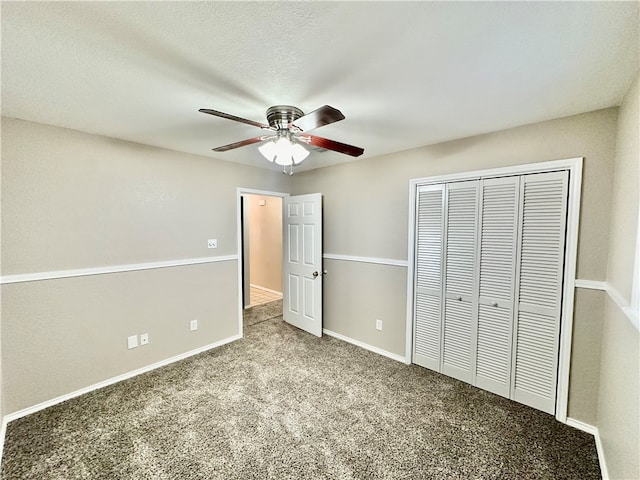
x: 282, y: 404
x: 261, y: 313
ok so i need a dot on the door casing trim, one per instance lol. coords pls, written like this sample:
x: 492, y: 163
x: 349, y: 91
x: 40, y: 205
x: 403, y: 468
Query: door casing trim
x: 240, y: 191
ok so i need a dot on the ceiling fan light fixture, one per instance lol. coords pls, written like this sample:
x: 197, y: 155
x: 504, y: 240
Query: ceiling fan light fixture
x: 298, y: 153
x: 268, y: 150
x: 287, y: 124
x: 283, y: 152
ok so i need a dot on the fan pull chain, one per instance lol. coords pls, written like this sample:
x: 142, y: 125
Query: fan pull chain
x: 284, y: 169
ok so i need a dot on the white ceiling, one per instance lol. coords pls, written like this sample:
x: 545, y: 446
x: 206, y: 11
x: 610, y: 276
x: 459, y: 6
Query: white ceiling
x: 404, y: 74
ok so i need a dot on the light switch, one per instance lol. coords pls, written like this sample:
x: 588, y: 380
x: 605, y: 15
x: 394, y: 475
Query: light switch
x: 212, y: 243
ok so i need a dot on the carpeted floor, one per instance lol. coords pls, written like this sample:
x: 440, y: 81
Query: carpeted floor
x: 282, y: 404
x: 260, y: 313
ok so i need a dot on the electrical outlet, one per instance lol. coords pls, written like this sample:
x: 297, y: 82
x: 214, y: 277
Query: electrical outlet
x: 144, y: 338
x: 378, y: 324
x: 194, y: 325
x: 212, y: 243
x: 132, y: 341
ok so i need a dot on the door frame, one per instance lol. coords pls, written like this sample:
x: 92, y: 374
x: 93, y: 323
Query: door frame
x: 240, y: 191
x: 574, y: 166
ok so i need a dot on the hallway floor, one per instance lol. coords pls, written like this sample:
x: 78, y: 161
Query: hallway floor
x: 259, y: 296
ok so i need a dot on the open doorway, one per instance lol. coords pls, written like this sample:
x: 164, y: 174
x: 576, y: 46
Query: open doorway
x: 261, y: 258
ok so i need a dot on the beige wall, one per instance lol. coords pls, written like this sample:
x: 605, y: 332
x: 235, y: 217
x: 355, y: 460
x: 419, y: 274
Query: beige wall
x: 584, y: 376
x: 619, y: 398
x: 72, y: 200
x: 265, y: 241
x: 368, y: 292
x: 66, y: 334
x: 366, y: 214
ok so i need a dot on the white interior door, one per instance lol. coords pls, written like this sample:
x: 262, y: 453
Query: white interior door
x: 539, y: 280
x: 302, y: 262
x: 498, y: 237
x: 428, y: 284
x: 460, y: 275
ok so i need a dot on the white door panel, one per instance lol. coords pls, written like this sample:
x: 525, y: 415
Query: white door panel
x: 302, y: 267
x: 460, y: 281
x: 498, y: 240
x: 539, y: 289
x: 428, y: 284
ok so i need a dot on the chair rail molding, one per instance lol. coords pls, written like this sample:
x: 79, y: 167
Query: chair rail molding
x: 131, y: 267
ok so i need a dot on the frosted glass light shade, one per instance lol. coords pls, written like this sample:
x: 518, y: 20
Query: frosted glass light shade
x: 268, y: 151
x: 283, y: 152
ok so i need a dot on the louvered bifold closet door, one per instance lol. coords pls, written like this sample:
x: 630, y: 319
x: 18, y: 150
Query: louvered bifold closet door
x: 460, y: 303
x: 539, y: 289
x: 497, y: 258
x: 428, y: 298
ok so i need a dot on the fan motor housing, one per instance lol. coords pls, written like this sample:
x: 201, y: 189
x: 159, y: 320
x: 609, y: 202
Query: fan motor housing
x: 280, y: 116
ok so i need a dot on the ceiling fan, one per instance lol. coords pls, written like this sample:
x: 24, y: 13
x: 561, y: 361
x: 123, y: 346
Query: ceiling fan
x: 288, y: 127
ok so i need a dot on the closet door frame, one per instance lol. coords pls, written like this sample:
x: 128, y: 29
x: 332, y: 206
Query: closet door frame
x: 574, y: 167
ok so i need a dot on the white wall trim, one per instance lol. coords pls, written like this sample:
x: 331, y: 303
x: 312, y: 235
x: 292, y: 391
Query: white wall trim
x: 591, y: 284
x: 585, y: 427
x: 265, y: 289
x: 366, y: 346
x: 628, y: 310
x: 240, y: 192
x: 574, y: 166
x: 550, y: 166
x: 132, y: 267
x: 54, y: 401
x: 379, y: 261
x: 622, y: 304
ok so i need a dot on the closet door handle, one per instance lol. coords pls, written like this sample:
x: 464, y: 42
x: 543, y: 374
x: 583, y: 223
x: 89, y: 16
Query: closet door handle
x: 494, y: 304
x: 459, y: 299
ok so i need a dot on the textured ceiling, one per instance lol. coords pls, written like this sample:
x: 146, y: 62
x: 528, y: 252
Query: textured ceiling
x: 404, y: 74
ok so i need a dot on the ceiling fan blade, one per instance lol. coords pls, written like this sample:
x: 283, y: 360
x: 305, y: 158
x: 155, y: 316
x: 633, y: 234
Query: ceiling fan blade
x: 242, y: 143
x: 318, y: 118
x: 333, y: 145
x: 234, y: 118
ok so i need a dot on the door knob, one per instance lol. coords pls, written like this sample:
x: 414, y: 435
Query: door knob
x: 315, y: 274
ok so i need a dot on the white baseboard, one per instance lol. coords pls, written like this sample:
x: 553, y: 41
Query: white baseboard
x: 366, y: 346
x: 54, y: 401
x: 265, y: 289
x: 585, y: 427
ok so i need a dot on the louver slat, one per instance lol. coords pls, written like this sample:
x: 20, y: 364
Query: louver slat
x: 461, y: 239
x: 457, y: 339
x: 543, y: 220
x: 493, y: 363
x: 498, y: 234
x: 460, y: 280
x: 428, y: 318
